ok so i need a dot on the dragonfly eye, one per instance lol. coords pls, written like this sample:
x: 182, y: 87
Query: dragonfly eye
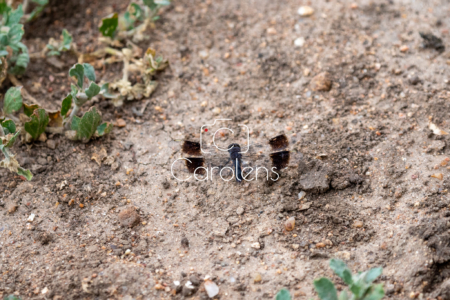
x: 191, y: 148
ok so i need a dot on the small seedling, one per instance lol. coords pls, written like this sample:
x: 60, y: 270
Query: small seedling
x: 65, y: 44
x: 146, y: 67
x: 283, y: 294
x: 11, y: 33
x: 360, y: 285
x: 134, y: 22
x: 8, y: 135
x: 90, y: 124
x: 11, y: 297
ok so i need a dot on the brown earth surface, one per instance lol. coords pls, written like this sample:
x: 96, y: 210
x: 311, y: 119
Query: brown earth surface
x: 362, y: 151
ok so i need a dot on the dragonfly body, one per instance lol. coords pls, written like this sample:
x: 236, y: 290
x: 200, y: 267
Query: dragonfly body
x: 236, y: 158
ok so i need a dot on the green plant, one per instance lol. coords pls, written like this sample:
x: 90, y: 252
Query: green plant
x: 11, y: 297
x: 65, y: 44
x: 283, y: 294
x: 146, y: 67
x: 360, y: 285
x: 90, y: 124
x: 40, y: 5
x: 134, y: 22
x: 8, y: 135
x: 11, y: 33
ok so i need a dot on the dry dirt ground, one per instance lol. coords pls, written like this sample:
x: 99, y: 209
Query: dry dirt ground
x: 363, y: 153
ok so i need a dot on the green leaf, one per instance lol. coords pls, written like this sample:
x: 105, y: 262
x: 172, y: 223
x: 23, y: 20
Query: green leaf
x: 66, y: 105
x: 39, y: 120
x: 53, y: 53
x: 372, y: 274
x: 340, y: 268
x: 358, y: 287
x: 9, y: 126
x: 162, y: 2
x: 105, y: 92
x: 78, y: 72
x: 89, y: 72
x: 13, y: 100
x: 14, y: 16
x: 11, y: 297
x: 92, y: 90
x: 283, y: 294
x: 325, y: 288
x: 109, y: 25
x: 104, y: 128
x: 28, y: 175
x: 376, y: 292
x: 15, y: 34
x: 67, y: 41
x: 151, y: 4
x: 75, y: 123
x: 28, y: 109
x: 344, y: 295
x: 88, y: 124
x: 136, y: 11
x: 4, y: 8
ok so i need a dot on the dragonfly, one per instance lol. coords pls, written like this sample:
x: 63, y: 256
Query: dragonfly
x: 268, y: 159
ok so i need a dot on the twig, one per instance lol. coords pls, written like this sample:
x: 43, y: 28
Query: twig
x: 25, y: 93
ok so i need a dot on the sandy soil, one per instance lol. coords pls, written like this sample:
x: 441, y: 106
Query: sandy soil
x: 363, y: 152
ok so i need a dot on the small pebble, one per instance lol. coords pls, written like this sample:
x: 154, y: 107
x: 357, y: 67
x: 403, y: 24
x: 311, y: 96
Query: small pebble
x: 320, y: 245
x: 271, y: 30
x: 129, y: 217
x: 257, y: 278
x: 301, y: 195
x: 305, y: 11
x: 211, y: 288
x: 203, y: 54
x: 51, y: 144
x: 289, y: 225
x: 216, y: 110
x: 404, y: 48
x: 414, y: 80
x: 121, y: 123
x: 240, y: 210
x: 321, y: 82
x: 12, y: 208
x: 185, y: 242
x: 439, y: 176
x: 31, y: 218
x: 256, y: 245
x: 358, y: 224
x: 299, y: 42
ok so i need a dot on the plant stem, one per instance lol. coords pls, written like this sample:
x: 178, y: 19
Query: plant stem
x: 72, y: 113
x: 2, y: 132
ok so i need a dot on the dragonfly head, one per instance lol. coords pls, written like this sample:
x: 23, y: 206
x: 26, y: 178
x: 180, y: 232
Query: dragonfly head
x: 234, y: 148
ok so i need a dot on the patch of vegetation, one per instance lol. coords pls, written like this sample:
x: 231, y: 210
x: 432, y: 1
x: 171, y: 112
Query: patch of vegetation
x: 360, y: 286
x: 134, y: 22
x: 11, y: 33
x: 65, y: 44
x: 9, y: 133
